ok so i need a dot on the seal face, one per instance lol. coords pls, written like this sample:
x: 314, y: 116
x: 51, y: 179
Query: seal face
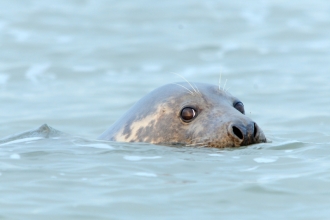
x: 182, y: 114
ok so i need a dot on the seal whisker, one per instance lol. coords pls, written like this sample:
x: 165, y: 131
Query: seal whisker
x: 202, y: 144
x: 195, y: 144
x: 225, y: 85
x: 220, y: 81
x: 197, y: 89
x: 187, y: 82
x: 191, y: 92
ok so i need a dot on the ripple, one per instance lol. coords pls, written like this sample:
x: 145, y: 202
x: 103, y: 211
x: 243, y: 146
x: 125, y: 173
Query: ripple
x: 84, y: 68
x: 273, y: 178
x: 270, y: 159
x: 3, y: 24
x: 20, y: 35
x: 151, y: 68
x: 22, y: 140
x: 145, y: 174
x: 250, y: 169
x: 138, y: 158
x: 287, y: 145
x: 15, y: 156
x: 35, y: 72
x: 4, y: 79
x: 215, y: 155
x: 64, y: 39
x: 97, y: 145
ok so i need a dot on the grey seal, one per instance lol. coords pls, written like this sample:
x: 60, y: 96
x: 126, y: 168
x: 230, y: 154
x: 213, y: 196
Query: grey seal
x: 191, y: 114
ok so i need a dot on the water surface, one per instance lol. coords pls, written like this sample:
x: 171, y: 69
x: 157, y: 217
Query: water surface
x: 78, y: 65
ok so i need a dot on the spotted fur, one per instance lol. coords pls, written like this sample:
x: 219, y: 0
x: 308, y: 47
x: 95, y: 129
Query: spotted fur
x: 156, y: 118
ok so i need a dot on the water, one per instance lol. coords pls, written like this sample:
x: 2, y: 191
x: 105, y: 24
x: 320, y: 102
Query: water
x: 79, y: 65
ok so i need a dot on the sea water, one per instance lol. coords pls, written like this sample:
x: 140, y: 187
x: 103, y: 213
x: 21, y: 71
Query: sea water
x: 78, y: 65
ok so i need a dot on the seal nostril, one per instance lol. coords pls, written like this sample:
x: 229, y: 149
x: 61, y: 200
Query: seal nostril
x: 238, y: 132
x: 255, y: 129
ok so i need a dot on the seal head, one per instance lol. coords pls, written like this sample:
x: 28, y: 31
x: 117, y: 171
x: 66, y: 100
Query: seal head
x: 182, y: 114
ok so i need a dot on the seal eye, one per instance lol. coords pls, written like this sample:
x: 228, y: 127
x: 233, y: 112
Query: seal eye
x: 240, y: 107
x: 188, y: 114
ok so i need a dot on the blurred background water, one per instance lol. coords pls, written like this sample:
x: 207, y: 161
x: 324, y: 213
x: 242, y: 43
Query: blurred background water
x: 78, y: 65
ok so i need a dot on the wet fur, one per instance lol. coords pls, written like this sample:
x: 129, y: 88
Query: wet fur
x: 156, y: 118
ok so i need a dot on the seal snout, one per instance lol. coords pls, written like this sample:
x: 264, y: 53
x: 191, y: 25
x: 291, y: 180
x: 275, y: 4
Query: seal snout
x: 246, y: 134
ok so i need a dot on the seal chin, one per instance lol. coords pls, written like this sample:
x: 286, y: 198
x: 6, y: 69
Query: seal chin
x: 246, y: 134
